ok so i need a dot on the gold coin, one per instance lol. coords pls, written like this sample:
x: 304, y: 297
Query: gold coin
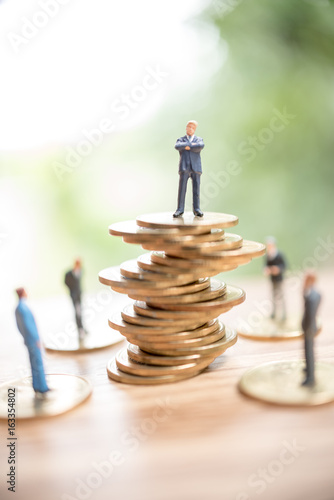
x: 215, y: 235
x: 279, y: 382
x: 182, y: 343
x: 126, y: 365
x: 177, y: 291
x: 188, y: 222
x: 204, y: 330
x: 143, y: 309
x: 216, y: 289
x: 165, y: 237
x: 205, y: 249
x: 204, y: 264
x: 130, y: 228
x: 117, y: 323
x: 130, y: 316
x: 136, y: 354
x: 249, y: 250
x: 114, y: 279
x: 126, y: 378
x: 67, y: 392
x: 232, y: 297
x: 93, y: 341
x: 216, y: 348
x: 145, y: 263
x: 130, y: 269
x: 269, y: 329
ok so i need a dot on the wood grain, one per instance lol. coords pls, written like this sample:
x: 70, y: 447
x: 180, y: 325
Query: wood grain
x: 197, y: 439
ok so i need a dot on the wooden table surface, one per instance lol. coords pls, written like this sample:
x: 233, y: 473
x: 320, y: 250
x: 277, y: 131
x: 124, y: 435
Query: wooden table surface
x: 197, y: 439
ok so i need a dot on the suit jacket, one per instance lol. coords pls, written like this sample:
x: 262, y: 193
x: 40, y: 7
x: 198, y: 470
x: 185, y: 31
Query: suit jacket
x: 26, y: 324
x: 74, y: 284
x: 190, y: 161
x: 311, y: 300
x: 279, y: 261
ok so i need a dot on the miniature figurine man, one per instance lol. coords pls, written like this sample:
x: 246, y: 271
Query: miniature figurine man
x: 275, y: 267
x: 312, y: 300
x: 189, y: 146
x: 73, y: 282
x: 27, y: 327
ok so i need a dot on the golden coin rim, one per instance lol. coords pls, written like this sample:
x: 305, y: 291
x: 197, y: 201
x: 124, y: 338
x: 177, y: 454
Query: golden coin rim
x: 131, y: 367
x: 219, y: 304
x: 195, y: 342
x: 197, y: 224
x: 278, y: 398
x: 118, y: 376
x: 216, y: 347
x: 152, y: 312
x: 15, y: 382
x: 155, y: 359
x: 200, y: 332
x: 207, y: 294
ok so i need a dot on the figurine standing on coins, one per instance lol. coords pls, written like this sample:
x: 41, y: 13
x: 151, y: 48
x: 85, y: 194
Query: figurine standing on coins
x: 73, y: 282
x: 189, y: 146
x: 312, y: 300
x: 28, y: 329
x: 275, y: 267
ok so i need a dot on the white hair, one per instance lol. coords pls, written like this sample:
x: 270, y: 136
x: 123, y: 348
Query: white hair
x: 193, y: 121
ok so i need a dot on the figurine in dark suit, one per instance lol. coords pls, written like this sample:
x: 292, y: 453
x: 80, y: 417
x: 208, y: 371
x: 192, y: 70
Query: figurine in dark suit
x: 28, y: 329
x: 189, y: 146
x: 312, y: 300
x: 73, y: 282
x: 275, y: 267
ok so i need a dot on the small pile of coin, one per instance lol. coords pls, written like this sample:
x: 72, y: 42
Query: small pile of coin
x: 172, y: 324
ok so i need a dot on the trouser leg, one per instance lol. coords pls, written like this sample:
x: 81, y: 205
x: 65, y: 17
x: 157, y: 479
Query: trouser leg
x: 273, y: 314
x: 37, y: 370
x: 309, y: 356
x: 78, y: 313
x: 184, y: 176
x: 278, y: 300
x: 196, y: 179
x: 281, y: 300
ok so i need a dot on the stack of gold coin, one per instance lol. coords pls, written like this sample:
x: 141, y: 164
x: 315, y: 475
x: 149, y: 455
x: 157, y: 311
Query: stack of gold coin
x: 172, y: 324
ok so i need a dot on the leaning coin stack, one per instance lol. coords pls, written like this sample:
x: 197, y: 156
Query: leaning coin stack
x: 172, y: 323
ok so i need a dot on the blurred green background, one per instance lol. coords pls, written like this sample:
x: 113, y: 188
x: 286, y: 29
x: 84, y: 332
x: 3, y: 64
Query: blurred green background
x: 266, y: 116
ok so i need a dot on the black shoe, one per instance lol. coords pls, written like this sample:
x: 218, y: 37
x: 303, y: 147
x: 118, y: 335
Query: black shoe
x: 198, y: 213
x: 308, y: 383
x: 178, y: 213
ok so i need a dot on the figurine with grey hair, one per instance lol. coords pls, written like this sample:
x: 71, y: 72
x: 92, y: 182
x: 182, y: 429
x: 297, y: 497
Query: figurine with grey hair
x: 312, y: 300
x: 275, y: 268
x: 27, y: 327
x: 189, y: 146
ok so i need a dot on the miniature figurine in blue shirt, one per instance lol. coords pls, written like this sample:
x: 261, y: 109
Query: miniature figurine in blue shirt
x: 312, y: 300
x: 27, y: 327
x: 189, y: 146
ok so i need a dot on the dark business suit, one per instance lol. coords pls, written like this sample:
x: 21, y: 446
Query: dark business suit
x: 311, y: 304
x: 73, y: 281
x: 277, y: 283
x: 190, y: 165
x: 28, y: 329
